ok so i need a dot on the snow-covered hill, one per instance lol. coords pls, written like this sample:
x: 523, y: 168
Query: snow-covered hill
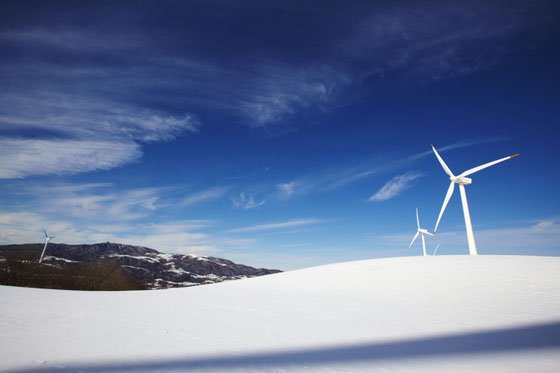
x: 446, y: 314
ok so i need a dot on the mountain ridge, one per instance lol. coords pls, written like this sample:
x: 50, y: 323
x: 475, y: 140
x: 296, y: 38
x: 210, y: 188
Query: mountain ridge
x: 157, y: 270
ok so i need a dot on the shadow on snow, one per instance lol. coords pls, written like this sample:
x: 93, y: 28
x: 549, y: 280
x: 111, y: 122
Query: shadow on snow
x: 522, y: 338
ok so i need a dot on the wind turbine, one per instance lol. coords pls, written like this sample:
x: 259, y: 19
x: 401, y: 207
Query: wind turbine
x: 47, y: 239
x: 462, y: 180
x: 435, y: 250
x: 420, y: 231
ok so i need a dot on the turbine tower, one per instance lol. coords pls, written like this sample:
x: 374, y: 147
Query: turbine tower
x: 462, y: 180
x: 47, y: 239
x: 420, y: 231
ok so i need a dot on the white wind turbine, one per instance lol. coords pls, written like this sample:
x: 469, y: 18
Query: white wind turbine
x: 420, y: 231
x: 435, y: 250
x: 462, y: 181
x: 47, y: 239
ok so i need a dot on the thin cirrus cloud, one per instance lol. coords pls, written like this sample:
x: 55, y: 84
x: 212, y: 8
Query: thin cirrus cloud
x: 66, y: 39
x: 270, y: 93
x: 182, y: 236
x: 287, y: 190
x: 26, y: 157
x: 457, y: 145
x: 84, y: 134
x: 433, y: 41
x: 100, y: 202
x: 540, y: 236
x: 441, y: 39
x: 284, y: 91
x: 176, y: 236
x: 420, y: 41
x: 276, y: 226
x: 103, y: 204
x: 19, y: 227
x: 395, y: 186
x: 204, y: 196
x: 328, y: 180
x: 245, y: 202
x: 82, y: 115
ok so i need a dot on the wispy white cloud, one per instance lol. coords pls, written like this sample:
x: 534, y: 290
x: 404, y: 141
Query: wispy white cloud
x: 95, y: 202
x: 27, y: 227
x: 540, y: 234
x: 276, y: 226
x: 395, y: 186
x: 20, y: 158
x: 204, y: 196
x: 331, y: 179
x: 175, y: 242
x: 531, y: 237
x: 84, y: 117
x: 180, y: 226
x: 182, y: 236
x: 286, y: 190
x: 79, y: 134
x: 198, y: 250
x: 356, y: 174
x: 70, y: 40
x: 327, y: 180
x: 101, y: 203
x: 264, y: 99
x: 439, y: 40
x: 69, y: 188
x: 245, y: 202
x: 457, y: 145
x: 284, y: 90
x: 432, y: 41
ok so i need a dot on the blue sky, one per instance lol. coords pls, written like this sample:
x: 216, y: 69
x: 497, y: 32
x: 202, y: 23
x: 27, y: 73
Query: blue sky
x: 279, y: 134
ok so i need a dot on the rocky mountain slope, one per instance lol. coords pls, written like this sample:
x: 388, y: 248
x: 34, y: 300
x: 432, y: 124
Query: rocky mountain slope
x: 157, y: 270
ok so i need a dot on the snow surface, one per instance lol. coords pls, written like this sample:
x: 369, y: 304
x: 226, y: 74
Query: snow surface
x: 414, y: 314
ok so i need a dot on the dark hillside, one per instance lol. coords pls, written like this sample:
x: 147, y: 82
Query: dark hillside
x: 148, y: 266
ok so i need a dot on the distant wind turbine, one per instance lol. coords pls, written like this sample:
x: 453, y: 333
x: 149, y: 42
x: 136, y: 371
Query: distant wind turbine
x: 47, y: 239
x: 420, y: 231
x: 462, y: 181
x: 435, y: 250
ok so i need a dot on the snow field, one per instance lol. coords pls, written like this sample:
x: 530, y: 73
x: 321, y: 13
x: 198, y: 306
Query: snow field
x: 443, y: 313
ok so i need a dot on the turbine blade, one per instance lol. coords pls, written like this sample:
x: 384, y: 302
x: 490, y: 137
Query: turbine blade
x: 417, y: 219
x: 435, y: 251
x: 46, y: 235
x: 445, y: 202
x: 414, y: 239
x: 445, y: 168
x: 482, y: 167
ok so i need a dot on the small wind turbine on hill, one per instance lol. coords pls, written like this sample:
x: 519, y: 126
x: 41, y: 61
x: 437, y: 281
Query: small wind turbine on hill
x: 420, y: 231
x: 47, y: 239
x: 462, y: 181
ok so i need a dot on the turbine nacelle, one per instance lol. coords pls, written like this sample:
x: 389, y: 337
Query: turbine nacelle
x: 425, y: 231
x: 461, y: 180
